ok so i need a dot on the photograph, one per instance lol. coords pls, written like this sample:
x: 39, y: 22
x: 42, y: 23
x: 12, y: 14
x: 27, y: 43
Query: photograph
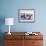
x: 26, y: 15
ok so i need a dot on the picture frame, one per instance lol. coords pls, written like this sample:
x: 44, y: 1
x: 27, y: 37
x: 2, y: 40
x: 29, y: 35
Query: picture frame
x: 26, y: 15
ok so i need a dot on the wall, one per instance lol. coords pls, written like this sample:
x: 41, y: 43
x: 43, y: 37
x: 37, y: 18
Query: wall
x: 9, y: 8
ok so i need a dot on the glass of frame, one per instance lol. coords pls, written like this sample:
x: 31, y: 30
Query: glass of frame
x: 26, y: 15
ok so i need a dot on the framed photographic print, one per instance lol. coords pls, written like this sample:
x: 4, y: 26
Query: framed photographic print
x: 26, y: 15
